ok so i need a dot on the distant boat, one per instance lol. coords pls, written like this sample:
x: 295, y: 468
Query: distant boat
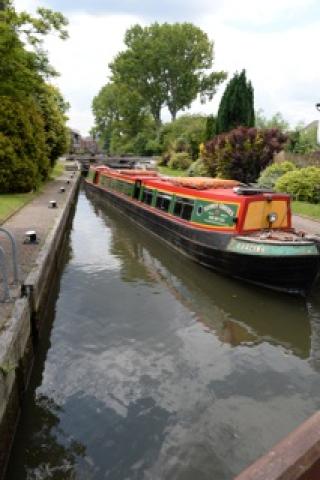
x: 237, y: 230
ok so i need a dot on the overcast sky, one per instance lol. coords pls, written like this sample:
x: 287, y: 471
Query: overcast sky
x: 276, y: 41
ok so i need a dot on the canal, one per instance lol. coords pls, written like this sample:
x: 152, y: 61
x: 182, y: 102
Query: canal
x: 153, y: 368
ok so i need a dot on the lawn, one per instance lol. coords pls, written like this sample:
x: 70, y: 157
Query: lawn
x: 58, y: 170
x: 172, y: 173
x: 11, y: 202
x: 307, y: 209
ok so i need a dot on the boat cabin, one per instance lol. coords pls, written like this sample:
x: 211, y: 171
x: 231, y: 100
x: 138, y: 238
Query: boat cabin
x: 204, y: 203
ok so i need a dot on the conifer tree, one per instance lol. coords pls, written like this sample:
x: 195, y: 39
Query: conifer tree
x: 237, y: 104
x: 210, y: 127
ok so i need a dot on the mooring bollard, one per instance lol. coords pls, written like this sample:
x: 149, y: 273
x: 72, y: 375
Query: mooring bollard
x: 31, y: 237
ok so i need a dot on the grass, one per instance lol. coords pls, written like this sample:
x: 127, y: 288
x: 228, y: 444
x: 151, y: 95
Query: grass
x: 57, y: 170
x: 12, y: 202
x: 171, y: 172
x: 307, y: 209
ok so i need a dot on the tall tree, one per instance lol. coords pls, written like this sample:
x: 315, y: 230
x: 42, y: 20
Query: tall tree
x: 32, y: 123
x: 53, y: 109
x: 23, y: 70
x: 237, y: 104
x: 167, y: 65
x: 118, y: 111
x: 276, y: 121
x: 210, y: 127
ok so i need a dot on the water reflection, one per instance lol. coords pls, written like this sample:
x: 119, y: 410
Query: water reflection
x: 238, y: 314
x: 157, y: 368
x: 42, y: 446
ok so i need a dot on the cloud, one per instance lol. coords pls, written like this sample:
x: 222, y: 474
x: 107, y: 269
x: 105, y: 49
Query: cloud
x: 281, y: 65
x: 152, y: 9
x: 83, y: 60
x: 273, y: 14
x: 281, y: 62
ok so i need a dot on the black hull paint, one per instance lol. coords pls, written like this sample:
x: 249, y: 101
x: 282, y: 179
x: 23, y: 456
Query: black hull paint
x: 288, y: 274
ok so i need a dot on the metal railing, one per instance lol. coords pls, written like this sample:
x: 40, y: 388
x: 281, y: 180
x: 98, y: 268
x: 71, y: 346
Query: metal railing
x: 3, y: 266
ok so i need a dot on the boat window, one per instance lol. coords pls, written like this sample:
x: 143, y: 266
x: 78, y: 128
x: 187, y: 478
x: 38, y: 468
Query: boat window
x: 199, y: 210
x: 163, y: 201
x: 126, y: 188
x: 183, y: 208
x: 147, y: 196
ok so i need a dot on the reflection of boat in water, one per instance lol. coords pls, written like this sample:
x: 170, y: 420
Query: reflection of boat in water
x: 235, y: 230
x: 237, y: 314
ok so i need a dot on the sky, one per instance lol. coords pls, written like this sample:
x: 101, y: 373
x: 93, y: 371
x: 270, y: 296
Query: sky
x: 276, y: 41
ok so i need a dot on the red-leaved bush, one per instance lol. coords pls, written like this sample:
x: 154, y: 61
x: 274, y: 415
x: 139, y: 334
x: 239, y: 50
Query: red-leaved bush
x: 242, y: 153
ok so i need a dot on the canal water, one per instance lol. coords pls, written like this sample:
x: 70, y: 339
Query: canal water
x: 154, y: 368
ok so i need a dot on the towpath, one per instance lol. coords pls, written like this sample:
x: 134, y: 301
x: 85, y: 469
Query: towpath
x: 306, y: 224
x: 38, y: 216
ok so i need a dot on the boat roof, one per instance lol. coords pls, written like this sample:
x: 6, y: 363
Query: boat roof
x: 205, y: 187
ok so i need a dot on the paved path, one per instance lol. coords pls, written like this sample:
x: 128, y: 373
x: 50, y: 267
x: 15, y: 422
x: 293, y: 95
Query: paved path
x: 306, y: 224
x: 36, y: 215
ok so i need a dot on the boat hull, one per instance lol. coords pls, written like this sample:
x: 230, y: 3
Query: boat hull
x: 291, y: 274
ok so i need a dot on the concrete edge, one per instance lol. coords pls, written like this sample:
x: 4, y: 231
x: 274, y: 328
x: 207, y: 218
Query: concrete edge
x: 296, y: 457
x: 13, y: 341
x: 17, y: 335
x: 35, y: 282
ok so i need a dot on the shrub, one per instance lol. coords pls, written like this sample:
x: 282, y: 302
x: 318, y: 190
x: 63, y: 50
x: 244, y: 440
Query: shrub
x: 190, y: 128
x: 242, y: 153
x: 22, y: 126
x: 16, y: 174
x: 198, y: 169
x: 180, y: 161
x: 164, y: 159
x: 270, y: 175
x: 303, y: 184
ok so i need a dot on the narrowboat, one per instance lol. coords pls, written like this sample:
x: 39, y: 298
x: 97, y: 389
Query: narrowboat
x: 239, y: 231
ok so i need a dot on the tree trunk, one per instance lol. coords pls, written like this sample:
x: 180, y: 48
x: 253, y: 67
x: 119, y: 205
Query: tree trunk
x: 173, y: 112
x: 157, y: 116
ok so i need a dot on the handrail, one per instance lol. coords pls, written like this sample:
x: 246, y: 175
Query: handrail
x: 14, y: 254
x: 3, y: 269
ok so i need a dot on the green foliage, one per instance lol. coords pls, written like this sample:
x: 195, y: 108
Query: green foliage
x: 16, y: 175
x: 237, y: 105
x: 24, y: 162
x: 56, y: 133
x: 276, y: 121
x: 120, y: 116
x: 302, y: 184
x: 270, y: 175
x: 303, y: 140
x: 198, y: 169
x: 172, y: 173
x: 211, y: 125
x: 22, y: 70
x: 189, y: 128
x: 306, y: 209
x: 242, y: 153
x: 10, y: 203
x: 166, y: 65
x: 180, y: 161
x: 32, y: 121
